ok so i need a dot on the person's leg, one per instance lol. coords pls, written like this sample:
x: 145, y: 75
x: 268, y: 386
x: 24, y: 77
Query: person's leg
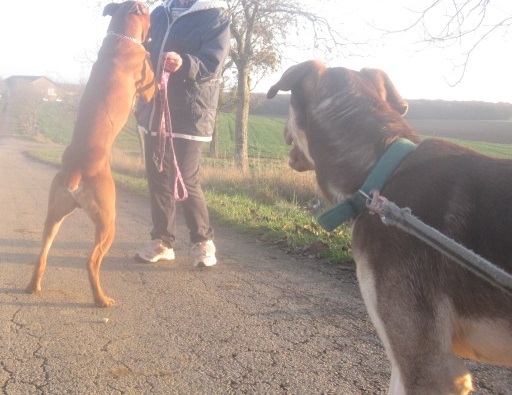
x: 162, y: 207
x: 188, y: 154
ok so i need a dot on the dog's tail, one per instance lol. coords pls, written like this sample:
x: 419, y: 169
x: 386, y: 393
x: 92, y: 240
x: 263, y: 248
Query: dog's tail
x: 73, y: 180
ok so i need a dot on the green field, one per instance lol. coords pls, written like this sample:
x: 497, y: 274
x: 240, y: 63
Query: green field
x: 488, y: 137
x: 265, y: 137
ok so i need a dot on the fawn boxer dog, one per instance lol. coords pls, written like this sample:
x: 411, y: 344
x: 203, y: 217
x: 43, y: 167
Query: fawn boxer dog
x: 121, y: 72
x: 426, y: 308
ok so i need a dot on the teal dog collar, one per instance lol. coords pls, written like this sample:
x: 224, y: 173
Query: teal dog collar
x: 385, y: 166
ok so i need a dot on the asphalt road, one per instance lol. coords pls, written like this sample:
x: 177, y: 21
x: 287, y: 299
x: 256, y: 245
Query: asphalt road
x: 260, y: 322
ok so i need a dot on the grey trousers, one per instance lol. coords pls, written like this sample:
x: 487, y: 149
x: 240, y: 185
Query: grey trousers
x: 161, y: 191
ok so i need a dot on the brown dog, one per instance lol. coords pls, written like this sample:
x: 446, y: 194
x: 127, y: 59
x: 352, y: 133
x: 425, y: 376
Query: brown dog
x: 121, y: 72
x: 425, y: 307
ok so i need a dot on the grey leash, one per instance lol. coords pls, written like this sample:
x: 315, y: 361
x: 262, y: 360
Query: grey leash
x: 402, y: 218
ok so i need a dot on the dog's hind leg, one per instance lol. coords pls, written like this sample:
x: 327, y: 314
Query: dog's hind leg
x: 415, y: 332
x: 104, y: 236
x: 436, y: 373
x: 420, y: 340
x: 100, y: 206
x: 396, y: 386
x: 60, y: 205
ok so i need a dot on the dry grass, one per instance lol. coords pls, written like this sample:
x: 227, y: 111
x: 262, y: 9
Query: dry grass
x: 267, y: 181
x: 270, y: 201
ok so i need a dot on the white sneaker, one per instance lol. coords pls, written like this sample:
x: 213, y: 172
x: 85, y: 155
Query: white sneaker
x: 204, y: 253
x: 155, y: 251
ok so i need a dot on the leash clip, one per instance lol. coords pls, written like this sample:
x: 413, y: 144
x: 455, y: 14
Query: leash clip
x: 375, y: 203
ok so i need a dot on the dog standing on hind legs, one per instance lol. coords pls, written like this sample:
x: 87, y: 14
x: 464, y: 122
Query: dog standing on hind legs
x: 426, y: 309
x: 121, y: 72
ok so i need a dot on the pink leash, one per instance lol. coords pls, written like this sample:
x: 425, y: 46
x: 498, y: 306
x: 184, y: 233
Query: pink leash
x: 166, y: 126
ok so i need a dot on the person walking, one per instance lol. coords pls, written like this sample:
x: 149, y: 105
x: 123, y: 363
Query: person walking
x: 189, y: 39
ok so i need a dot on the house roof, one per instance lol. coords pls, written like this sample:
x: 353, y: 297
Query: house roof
x: 25, y: 78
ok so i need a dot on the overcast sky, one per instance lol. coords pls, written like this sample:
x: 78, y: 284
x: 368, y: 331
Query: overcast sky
x: 60, y: 40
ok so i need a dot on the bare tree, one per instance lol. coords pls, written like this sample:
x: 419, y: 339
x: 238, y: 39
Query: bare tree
x: 466, y: 23
x: 261, y: 31
x: 225, y: 102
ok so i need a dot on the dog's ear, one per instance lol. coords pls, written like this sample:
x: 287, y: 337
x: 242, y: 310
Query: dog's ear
x: 140, y: 9
x: 110, y: 9
x: 386, y: 89
x: 295, y: 75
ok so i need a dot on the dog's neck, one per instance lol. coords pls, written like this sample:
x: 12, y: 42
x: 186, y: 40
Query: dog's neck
x: 380, y: 173
x: 122, y: 36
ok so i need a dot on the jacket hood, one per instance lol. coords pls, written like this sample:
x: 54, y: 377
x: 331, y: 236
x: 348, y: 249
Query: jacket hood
x: 202, y: 5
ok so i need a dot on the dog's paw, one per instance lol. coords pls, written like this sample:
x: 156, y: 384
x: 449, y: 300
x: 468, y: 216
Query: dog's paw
x: 33, y: 288
x: 105, y: 302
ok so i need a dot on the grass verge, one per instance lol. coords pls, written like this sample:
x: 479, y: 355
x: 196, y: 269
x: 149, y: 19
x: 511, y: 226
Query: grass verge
x: 267, y: 215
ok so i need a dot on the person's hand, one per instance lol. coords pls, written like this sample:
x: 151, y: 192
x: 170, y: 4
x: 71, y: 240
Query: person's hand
x: 173, y: 62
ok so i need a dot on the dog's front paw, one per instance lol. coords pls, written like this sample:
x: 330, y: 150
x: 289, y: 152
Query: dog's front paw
x: 105, y: 302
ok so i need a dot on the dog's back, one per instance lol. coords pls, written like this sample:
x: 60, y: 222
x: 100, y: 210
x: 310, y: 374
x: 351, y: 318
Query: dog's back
x: 467, y: 197
x: 121, y: 72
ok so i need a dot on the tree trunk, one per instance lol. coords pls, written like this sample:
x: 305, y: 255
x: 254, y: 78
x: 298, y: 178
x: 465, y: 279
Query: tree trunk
x: 242, y: 120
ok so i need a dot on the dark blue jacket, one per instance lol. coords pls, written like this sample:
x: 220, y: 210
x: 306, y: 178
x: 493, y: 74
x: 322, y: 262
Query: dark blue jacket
x: 201, y: 37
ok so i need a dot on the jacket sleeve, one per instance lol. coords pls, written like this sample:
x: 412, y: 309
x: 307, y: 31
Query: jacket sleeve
x: 209, y: 60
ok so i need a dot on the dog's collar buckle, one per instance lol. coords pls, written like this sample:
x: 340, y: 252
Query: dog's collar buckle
x: 357, y: 203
